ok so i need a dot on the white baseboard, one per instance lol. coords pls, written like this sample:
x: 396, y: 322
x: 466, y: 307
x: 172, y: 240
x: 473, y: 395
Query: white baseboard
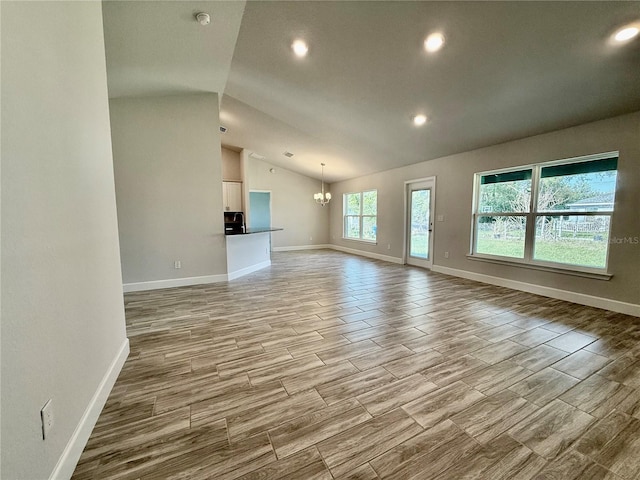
x: 172, y: 282
x: 377, y: 256
x: 184, y: 282
x: 580, y: 298
x: 248, y: 270
x: 301, y: 247
x: 71, y: 454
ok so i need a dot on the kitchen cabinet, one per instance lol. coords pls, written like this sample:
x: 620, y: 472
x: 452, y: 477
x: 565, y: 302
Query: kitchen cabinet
x: 232, y: 196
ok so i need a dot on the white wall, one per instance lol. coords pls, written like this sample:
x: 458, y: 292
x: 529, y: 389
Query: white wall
x: 454, y: 188
x: 293, y: 208
x: 167, y: 160
x: 231, y: 171
x: 247, y: 253
x: 63, y: 329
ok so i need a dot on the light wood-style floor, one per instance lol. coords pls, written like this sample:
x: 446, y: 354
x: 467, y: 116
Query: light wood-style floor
x: 334, y: 366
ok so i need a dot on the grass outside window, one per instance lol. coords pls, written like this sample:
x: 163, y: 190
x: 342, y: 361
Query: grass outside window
x: 556, y: 213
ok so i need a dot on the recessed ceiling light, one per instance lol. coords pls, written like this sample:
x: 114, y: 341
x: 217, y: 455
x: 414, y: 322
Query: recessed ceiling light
x: 419, y: 120
x: 626, y: 33
x: 300, y: 48
x: 434, y: 42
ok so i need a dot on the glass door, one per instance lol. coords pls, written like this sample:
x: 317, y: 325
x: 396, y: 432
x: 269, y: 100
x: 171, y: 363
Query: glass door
x: 420, y: 223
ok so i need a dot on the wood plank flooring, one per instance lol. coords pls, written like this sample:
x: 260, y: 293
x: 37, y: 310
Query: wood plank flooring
x: 331, y: 366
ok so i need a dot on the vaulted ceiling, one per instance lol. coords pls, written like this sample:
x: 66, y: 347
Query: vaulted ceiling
x: 507, y: 70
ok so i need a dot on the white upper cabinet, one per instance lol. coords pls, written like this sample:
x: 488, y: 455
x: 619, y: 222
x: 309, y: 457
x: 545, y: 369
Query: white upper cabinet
x: 232, y: 196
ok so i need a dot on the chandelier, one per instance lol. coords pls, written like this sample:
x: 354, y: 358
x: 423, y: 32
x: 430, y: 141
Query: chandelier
x: 322, y: 197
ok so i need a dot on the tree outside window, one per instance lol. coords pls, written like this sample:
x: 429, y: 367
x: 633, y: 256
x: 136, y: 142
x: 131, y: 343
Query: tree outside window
x: 557, y: 213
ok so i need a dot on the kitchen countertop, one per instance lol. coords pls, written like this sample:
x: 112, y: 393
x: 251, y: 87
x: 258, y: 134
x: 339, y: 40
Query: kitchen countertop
x: 250, y: 231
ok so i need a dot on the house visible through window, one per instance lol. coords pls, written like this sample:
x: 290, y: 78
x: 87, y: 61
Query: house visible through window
x: 360, y: 215
x: 555, y: 214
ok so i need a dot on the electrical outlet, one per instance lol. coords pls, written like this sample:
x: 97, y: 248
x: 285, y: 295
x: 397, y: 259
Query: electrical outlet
x: 440, y: 218
x: 311, y: 238
x: 46, y: 415
x: 446, y: 254
x: 388, y: 246
x: 177, y: 264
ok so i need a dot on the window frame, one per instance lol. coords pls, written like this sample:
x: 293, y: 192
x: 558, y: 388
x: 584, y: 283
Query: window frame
x: 531, y: 217
x: 360, y: 216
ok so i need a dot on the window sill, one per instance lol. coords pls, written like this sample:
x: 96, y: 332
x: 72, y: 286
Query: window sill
x: 544, y: 268
x: 361, y: 240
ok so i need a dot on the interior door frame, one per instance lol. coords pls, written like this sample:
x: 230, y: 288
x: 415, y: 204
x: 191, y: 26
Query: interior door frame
x: 407, y: 189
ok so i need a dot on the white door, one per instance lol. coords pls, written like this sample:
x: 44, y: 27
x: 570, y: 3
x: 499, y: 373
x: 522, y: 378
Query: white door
x: 419, y: 223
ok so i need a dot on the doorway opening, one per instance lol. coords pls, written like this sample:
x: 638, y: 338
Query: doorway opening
x: 260, y: 209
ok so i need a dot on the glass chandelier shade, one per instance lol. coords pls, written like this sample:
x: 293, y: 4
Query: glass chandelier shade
x: 322, y: 197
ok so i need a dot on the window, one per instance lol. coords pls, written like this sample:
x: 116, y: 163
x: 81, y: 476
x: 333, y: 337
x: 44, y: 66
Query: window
x: 555, y: 214
x: 360, y: 215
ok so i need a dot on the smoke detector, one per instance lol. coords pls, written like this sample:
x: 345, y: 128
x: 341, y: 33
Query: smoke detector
x: 203, y: 18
